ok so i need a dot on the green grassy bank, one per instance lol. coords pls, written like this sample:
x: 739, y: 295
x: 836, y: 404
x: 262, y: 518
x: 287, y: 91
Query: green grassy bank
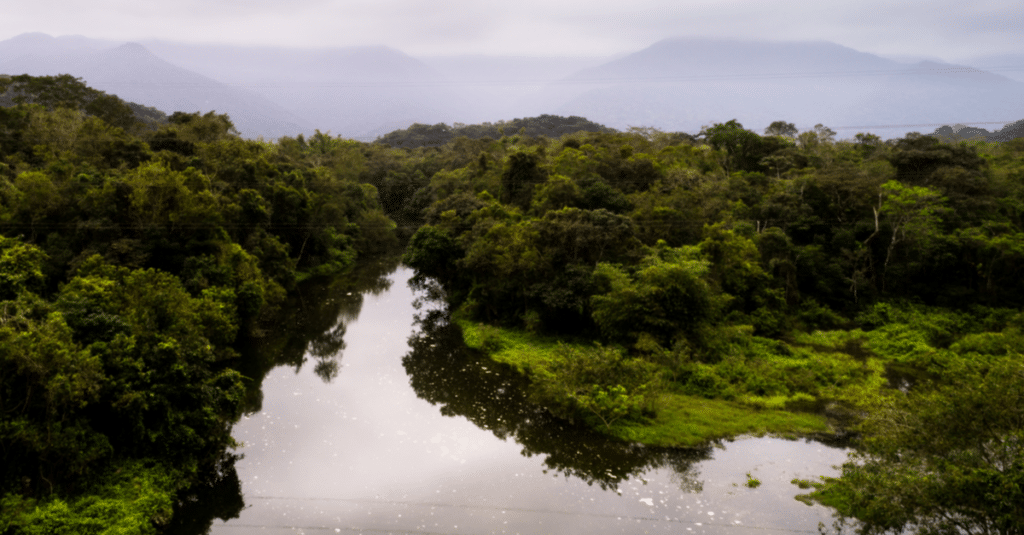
x: 674, y: 418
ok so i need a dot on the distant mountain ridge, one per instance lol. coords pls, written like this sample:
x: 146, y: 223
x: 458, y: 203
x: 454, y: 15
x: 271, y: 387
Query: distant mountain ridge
x: 702, y: 57
x: 676, y: 85
x: 1008, y: 65
x: 359, y: 92
x: 135, y: 74
x: 684, y: 84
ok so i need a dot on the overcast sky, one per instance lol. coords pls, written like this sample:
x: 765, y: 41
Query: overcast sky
x: 945, y: 29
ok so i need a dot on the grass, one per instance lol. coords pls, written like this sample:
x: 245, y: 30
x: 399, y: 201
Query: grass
x: 691, y: 421
x: 680, y: 421
x: 519, y: 349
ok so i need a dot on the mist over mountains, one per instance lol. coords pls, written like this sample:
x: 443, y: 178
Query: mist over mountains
x: 683, y: 83
x: 132, y: 72
x: 675, y: 85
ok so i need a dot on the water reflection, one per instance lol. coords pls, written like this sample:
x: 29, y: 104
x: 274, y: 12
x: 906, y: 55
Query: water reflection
x: 219, y: 495
x: 491, y: 395
x: 311, y: 324
x: 409, y: 432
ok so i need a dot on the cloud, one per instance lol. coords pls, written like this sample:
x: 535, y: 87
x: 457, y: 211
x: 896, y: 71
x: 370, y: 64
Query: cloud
x: 941, y: 28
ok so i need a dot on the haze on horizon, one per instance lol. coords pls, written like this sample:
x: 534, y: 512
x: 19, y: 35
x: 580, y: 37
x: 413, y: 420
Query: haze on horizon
x: 916, y: 29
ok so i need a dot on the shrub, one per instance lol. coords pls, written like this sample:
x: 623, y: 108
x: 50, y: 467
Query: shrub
x: 598, y: 383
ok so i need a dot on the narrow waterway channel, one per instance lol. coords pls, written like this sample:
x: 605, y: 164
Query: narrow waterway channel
x: 381, y: 422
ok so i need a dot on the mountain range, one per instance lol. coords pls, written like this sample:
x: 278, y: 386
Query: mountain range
x: 675, y: 85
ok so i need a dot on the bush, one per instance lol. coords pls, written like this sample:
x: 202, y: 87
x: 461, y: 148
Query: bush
x: 597, y: 383
x: 135, y: 498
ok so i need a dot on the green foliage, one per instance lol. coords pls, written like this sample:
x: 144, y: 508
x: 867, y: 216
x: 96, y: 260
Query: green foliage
x: 135, y: 498
x: 20, y: 267
x: 667, y: 297
x: 557, y: 193
x: 70, y: 93
x: 432, y: 251
x: 130, y: 266
x: 929, y: 463
x: 522, y: 173
x: 666, y: 417
x: 552, y: 126
x: 802, y: 483
x: 734, y: 262
x: 200, y: 128
x: 781, y: 128
x: 134, y: 261
x: 47, y: 382
x: 786, y: 271
x: 596, y: 383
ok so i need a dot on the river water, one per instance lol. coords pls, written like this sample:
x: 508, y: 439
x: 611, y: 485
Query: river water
x: 371, y: 417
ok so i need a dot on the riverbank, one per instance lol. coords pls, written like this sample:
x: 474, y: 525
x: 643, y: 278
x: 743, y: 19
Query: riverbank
x: 678, y: 419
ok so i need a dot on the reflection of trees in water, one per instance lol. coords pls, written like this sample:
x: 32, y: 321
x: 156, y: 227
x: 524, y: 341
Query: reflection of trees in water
x: 219, y: 495
x: 492, y: 396
x: 311, y: 324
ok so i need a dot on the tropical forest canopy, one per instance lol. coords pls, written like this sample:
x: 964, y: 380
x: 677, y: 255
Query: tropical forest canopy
x: 134, y: 258
x: 876, y: 282
x: 772, y: 274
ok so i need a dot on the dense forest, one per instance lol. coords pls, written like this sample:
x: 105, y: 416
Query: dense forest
x: 663, y: 288
x: 552, y: 126
x: 135, y: 257
x: 671, y: 291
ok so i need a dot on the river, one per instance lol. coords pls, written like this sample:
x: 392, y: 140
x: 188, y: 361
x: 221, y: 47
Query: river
x: 371, y: 417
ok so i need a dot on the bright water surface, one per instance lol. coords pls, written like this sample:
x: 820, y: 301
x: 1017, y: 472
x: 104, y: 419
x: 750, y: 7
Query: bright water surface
x: 380, y: 422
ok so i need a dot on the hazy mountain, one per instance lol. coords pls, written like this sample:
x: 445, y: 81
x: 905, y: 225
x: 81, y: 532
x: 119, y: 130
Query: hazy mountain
x: 503, y: 87
x: 675, y: 85
x: 1008, y: 65
x: 357, y: 92
x: 133, y: 73
x: 683, y: 84
x: 912, y: 58
x: 39, y: 44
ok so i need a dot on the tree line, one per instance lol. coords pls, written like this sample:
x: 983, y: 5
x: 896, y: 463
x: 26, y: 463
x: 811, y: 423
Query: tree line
x: 553, y: 126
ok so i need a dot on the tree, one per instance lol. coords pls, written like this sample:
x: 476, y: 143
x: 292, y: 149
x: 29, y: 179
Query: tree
x: 558, y: 192
x: 667, y: 297
x: 205, y: 128
x: 46, y: 382
x: 522, y: 173
x: 913, y: 213
x: 917, y: 157
x: 781, y: 128
x: 779, y: 161
x: 942, y: 461
x: 596, y: 383
x: 740, y: 144
x: 432, y: 252
x: 20, y: 268
x: 959, y: 133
